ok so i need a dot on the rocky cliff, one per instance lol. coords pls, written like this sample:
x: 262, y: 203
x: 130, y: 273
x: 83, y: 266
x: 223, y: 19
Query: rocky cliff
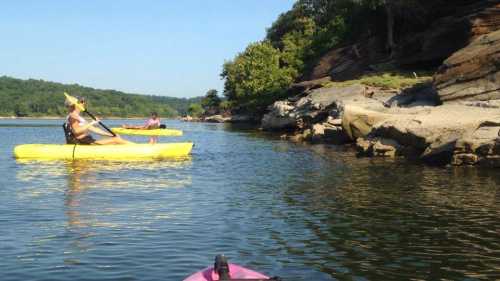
x: 472, y: 73
x: 449, y: 27
x: 453, y: 119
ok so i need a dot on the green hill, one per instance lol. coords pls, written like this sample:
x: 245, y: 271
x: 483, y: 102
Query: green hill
x: 26, y: 98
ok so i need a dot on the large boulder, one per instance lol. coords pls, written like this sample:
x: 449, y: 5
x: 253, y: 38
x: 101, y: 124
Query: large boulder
x: 313, y: 108
x: 433, y: 134
x: 358, y: 121
x: 281, y: 116
x: 473, y: 73
x: 480, y: 147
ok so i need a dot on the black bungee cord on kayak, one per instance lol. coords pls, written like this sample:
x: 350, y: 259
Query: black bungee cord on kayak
x: 70, y: 138
x: 221, y: 266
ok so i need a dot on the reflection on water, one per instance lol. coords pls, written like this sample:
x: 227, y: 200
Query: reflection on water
x: 77, y: 178
x: 299, y: 211
x: 142, y: 174
x: 393, y: 222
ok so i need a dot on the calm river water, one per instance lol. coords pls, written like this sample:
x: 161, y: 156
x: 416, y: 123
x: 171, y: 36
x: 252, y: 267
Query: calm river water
x: 297, y: 211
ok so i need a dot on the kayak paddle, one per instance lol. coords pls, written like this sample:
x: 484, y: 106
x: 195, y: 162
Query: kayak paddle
x: 75, y: 102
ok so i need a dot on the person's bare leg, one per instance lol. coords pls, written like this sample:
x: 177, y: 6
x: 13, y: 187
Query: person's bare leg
x: 113, y: 140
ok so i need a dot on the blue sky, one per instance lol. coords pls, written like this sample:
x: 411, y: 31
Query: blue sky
x: 171, y: 48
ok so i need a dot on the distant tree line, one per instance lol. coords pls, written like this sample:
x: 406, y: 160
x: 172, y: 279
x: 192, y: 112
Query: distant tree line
x: 210, y: 104
x: 263, y: 72
x: 42, y: 98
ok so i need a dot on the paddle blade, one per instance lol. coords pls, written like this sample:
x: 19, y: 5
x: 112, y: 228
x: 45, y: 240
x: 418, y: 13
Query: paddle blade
x: 74, y: 101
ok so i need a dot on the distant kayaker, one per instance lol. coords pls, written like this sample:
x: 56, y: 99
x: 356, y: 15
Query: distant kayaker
x: 150, y: 124
x: 80, y: 128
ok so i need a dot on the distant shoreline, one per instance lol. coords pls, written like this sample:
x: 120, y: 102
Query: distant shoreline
x: 62, y: 117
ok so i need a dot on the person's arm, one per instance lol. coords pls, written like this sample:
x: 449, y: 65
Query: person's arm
x: 77, y: 129
x: 100, y: 131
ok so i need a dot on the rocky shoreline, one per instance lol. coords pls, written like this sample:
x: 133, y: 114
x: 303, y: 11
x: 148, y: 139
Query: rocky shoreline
x: 222, y: 118
x: 453, y: 119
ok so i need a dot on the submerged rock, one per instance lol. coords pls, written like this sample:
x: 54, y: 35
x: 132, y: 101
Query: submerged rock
x: 378, y: 147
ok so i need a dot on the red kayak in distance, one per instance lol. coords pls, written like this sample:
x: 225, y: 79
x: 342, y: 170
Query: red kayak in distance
x: 224, y: 271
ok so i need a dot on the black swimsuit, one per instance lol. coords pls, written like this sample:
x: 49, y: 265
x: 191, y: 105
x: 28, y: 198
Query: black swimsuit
x: 88, y: 139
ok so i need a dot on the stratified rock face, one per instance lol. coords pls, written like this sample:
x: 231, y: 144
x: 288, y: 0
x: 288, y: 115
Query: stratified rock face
x: 460, y: 24
x: 473, y: 73
x: 305, y: 86
x: 448, y: 26
x: 487, y: 20
x: 348, y: 62
x: 450, y: 133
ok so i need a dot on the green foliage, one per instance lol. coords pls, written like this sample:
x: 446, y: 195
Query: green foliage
x: 387, y: 79
x: 254, y: 78
x: 297, y: 46
x: 211, y: 101
x: 225, y: 105
x: 41, y: 98
x: 195, y: 110
x: 329, y: 36
x: 263, y: 72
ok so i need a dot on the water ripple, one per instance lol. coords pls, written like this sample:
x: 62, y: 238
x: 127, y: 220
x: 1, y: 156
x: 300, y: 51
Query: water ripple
x: 298, y: 211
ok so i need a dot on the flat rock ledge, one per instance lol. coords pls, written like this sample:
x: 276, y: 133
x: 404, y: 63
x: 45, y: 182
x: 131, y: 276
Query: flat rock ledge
x: 392, y: 124
x: 448, y: 134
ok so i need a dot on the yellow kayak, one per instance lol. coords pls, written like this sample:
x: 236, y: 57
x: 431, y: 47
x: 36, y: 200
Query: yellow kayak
x: 118, y: 152
x: 145, y: 132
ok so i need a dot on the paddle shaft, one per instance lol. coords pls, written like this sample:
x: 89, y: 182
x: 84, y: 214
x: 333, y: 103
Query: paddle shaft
x: 100, y: 123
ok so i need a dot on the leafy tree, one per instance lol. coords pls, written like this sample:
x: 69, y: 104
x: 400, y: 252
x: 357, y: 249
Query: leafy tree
x: 225, y: 106
x: 297, y: 46
x: 211, y: 102
x: 254, y: 78
x: 22, y: 109
x: 195, y: 110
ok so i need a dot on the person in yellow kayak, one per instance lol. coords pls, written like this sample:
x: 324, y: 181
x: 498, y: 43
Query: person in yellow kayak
x: 79, y: 129
x: 150, y: 124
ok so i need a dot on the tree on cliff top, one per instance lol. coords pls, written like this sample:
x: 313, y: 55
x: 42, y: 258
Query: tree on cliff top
x: 254, y: 79
x: 211, y: 102
x: 398, y: 15
x: 301, y: 36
